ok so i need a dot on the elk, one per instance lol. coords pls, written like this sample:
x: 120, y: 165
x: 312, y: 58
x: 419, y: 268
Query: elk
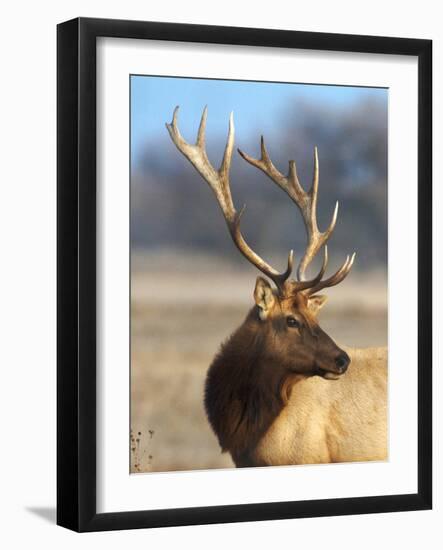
x: 280, y: 391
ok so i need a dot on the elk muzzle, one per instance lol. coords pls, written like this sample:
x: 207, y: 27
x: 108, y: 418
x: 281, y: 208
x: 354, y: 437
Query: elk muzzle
x: 335, y: 370
x: 331, y: 361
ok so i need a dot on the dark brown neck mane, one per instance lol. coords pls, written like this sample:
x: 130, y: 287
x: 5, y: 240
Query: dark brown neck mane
x: 243, y: 392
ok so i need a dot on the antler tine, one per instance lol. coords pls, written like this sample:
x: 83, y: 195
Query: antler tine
x: 227, y: 157
x: 335, y: 279
x: 218, y: 180
x: 297, y: 286
x: 201, y: 135
x: 316, y: 238
x: 289, y: 183
x: 314, y: 187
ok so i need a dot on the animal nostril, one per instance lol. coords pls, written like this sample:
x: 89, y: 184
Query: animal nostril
x: 342, y: 361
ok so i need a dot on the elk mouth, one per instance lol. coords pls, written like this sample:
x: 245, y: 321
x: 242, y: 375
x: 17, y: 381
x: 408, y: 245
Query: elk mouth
x: 327, y: 374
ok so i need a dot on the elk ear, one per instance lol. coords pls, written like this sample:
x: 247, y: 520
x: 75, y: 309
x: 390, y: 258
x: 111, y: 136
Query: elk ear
x: 315, y: 303
x: 264, y: 297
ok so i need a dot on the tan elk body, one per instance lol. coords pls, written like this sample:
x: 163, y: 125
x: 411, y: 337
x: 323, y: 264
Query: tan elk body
x: 281, y: 391
x: 343, y: 421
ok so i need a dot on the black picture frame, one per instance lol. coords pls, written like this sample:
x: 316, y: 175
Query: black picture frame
x: 76, y: 265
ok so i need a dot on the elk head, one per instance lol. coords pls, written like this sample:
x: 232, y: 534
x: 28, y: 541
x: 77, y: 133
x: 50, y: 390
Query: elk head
x: 285, y: 317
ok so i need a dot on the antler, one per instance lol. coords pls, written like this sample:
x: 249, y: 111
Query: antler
x: 218, y: 180
x: 307, y: 204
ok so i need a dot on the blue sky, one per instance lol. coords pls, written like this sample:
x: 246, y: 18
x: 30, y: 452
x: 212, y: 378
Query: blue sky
x: 256, y: 105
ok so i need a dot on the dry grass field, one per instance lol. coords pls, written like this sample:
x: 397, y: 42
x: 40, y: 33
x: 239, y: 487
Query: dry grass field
x: 182, y: 308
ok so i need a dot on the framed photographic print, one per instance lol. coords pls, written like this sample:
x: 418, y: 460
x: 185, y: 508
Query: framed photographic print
x: 244, y: 274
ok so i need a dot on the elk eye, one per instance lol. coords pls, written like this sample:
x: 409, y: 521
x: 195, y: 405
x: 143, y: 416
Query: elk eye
x: 293, y: 322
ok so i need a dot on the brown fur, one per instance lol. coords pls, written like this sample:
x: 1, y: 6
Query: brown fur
x: 243, y: 393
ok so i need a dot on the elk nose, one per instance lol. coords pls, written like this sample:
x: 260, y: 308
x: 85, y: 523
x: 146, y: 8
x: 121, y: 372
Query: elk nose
x: 342, y: 362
